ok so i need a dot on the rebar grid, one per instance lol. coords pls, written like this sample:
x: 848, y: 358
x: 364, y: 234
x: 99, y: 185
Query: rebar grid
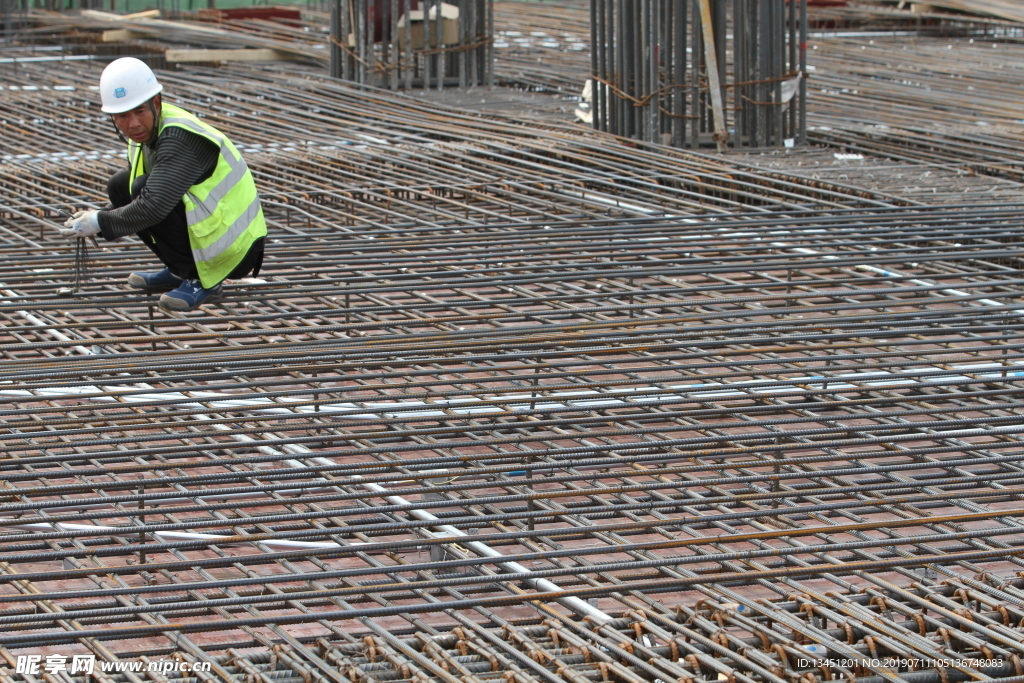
x: 507, y: 403
x: 932, y: 89
x: 974, y: 83
x: 642, y: 436
x: 313, y: 142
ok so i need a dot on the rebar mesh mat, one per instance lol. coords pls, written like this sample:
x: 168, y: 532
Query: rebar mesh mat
x: 508, y: 403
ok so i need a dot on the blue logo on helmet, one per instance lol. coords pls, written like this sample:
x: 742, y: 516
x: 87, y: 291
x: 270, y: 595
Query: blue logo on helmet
x: 120, y: 92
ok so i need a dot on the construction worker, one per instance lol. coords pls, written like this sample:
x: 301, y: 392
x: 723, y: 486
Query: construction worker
x: 186, y: 193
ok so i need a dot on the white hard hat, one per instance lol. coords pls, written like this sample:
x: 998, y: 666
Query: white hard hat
x: 125, y: 84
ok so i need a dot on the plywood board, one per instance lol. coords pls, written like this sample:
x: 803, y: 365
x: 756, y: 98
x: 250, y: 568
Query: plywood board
x: 239, y: 55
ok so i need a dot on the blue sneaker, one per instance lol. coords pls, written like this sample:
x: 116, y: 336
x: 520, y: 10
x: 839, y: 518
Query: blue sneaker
x: 165, y: 280
x: 189, y: 296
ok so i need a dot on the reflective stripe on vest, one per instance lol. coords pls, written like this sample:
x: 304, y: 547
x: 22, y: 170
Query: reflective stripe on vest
x: 236, y: 229
x: 223, y: 212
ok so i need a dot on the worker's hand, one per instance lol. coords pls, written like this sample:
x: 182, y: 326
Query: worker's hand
x: 82, y: 224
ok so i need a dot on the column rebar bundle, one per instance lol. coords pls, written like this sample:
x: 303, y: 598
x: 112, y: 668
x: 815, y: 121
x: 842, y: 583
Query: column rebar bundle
x: 695, y: 72
x: 413, y: 43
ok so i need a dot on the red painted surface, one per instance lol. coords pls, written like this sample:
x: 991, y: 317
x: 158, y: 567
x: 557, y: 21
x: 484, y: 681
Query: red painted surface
x: 286, y: 14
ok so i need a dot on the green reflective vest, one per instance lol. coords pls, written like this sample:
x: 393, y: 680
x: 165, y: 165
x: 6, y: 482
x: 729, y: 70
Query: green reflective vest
x: 223, y: 212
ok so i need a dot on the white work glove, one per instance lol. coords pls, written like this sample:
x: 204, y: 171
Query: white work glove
x: 82, y: 224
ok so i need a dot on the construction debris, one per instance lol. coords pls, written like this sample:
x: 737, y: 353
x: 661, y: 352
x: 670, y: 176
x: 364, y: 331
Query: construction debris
x: 253, y: 33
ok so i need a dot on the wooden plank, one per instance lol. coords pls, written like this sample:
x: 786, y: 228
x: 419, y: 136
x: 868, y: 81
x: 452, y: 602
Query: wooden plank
x: 121, y: 35
x: 711, y: 60
x: 236, y: 55
x: 220, y: 36
x: 1011, y: 10
x: 110, y: 16
x: 147, y: 14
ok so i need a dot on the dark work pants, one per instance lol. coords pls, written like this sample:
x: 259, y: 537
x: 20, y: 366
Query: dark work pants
x: 168, y: 239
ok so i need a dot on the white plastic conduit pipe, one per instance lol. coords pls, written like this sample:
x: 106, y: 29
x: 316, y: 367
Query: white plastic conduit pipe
x: 160, y: 535
x: 896, y: 273
x: 577, y: 605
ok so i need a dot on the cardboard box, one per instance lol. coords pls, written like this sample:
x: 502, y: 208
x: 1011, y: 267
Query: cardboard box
x: 449, y: 27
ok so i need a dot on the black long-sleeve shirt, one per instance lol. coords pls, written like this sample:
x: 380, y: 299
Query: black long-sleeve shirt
x: 177, y: 160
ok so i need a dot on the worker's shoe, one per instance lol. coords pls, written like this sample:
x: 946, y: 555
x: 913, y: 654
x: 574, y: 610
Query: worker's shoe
x: 155, y: 282
x: 189, y: 295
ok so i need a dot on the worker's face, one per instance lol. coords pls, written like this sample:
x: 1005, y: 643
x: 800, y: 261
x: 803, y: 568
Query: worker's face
x: 140, y: 124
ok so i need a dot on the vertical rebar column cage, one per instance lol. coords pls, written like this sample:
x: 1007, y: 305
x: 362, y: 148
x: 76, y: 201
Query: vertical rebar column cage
x: 8, y: 19
x: 413, y: 43
x: 649, y: 65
